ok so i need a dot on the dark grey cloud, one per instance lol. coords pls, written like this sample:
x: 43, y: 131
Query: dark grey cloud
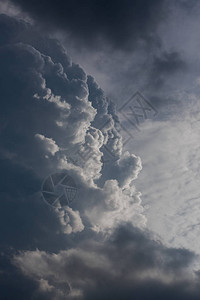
x: 188, y: 5
x: 13, y: 284
x: 168, y: 63
x: 120, y: 23
x: 128, y: 265
x: 165, y: 66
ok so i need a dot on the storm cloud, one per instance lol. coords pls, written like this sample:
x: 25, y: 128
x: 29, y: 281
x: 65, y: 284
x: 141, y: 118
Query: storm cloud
x: 51, y: 113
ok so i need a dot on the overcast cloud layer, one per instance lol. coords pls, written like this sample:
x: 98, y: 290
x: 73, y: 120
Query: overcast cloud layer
x: 121, y: 24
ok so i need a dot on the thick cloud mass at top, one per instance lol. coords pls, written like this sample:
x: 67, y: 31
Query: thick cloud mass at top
x: 119, y: 23
x: 51, y: 114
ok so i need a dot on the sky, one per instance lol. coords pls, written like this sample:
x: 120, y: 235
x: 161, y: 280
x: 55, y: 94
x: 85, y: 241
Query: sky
x: 99, y: 149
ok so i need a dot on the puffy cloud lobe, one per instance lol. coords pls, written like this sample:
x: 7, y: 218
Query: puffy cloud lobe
x: 70, y: 220
x: 124, y: 170
x: 109, y: 206
x: 89, y: 154
x: 106, y: 118
x: 48, y: 144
